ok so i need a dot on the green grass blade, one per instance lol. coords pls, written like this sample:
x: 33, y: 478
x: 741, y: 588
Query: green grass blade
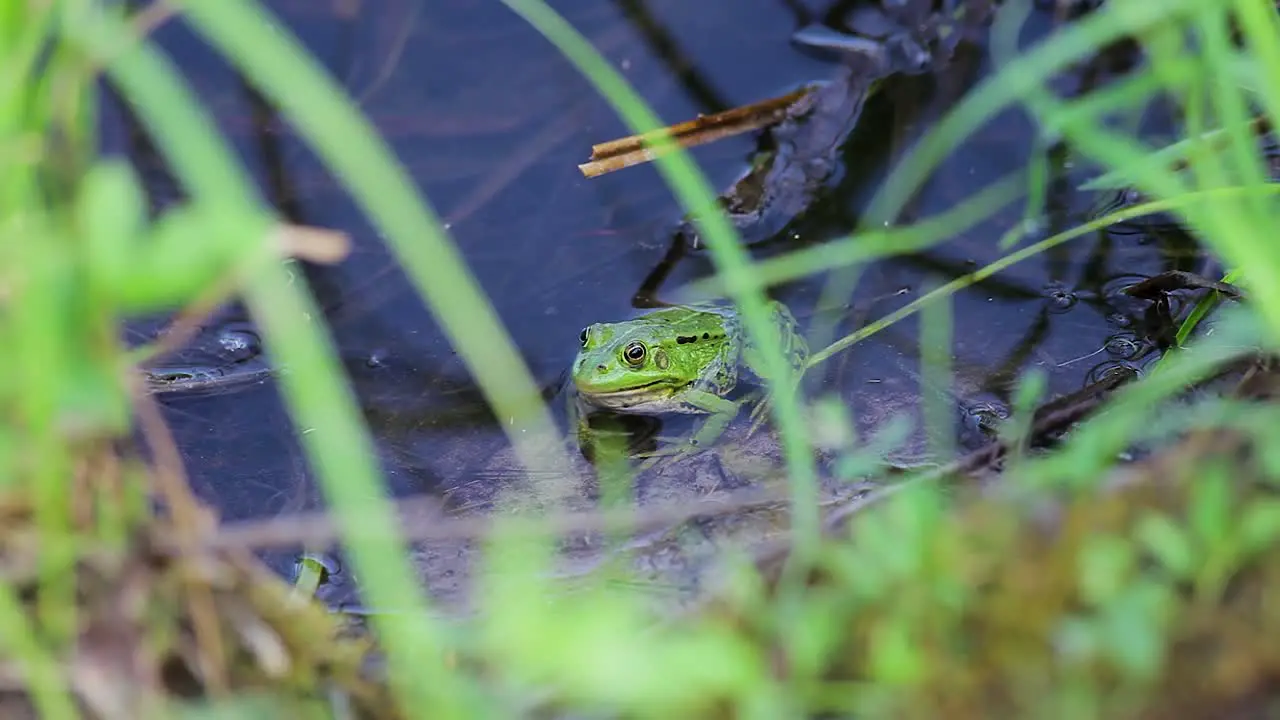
x: 314, y: 390
x: 1017, y: 256
x: 44, y: 677
x: 731, y: 259
x: 1014, y: 81
x: 874, y: 244
x: 337, y: 442
x: 936, y: 359
x: 276, y: 63
x: 1261, y: 28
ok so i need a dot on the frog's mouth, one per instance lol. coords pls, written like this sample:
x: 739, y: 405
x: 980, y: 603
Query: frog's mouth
x: 622, y: 398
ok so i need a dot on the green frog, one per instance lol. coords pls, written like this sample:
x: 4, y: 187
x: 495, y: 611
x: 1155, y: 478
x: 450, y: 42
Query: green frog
x: 682, y: 359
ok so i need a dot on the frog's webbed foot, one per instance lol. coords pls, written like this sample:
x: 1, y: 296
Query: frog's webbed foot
x: 654, y: 458
x: 720, y: 413
x: 674, y: 452
x: 673, y: 449
x: 761, y: 409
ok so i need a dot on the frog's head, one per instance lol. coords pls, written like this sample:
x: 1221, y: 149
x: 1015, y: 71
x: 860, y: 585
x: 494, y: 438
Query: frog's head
x: 631, y: 365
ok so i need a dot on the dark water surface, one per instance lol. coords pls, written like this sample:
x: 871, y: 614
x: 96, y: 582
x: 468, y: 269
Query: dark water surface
x: 491, y: 122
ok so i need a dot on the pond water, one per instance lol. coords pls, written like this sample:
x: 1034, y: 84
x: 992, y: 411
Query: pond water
x: 492, y: 122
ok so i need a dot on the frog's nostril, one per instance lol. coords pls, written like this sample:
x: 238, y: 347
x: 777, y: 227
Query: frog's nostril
x: 601, y: 368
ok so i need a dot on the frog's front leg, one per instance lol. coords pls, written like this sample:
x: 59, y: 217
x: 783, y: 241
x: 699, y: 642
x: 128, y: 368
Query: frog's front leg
x: 577, y: 424
x: 714, y: 426
x: 720, y: 413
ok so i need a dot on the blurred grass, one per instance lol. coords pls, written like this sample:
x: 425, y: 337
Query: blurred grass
x: 875, y: 631
x: 315, y: 104
x: 336, y: 438
x: 732, y: 263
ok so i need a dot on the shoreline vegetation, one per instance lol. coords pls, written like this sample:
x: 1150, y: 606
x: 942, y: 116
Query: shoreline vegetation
x: 1111, y: 553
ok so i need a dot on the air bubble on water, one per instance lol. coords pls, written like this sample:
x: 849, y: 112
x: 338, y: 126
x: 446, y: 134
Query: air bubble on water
x: 986, y: 416
x: 1119, y: 320
x: 240, y: 344
x: 1060, y: 298
x: 1124, y: 345
x: 1109, y: 370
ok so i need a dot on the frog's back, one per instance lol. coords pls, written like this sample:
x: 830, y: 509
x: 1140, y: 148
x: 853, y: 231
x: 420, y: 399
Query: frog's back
x: 793, y: 345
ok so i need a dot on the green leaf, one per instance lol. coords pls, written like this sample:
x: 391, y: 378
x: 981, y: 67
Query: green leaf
x: 1245, y: 73
x: 1076, y: 639
x: 1268, y: 454
x: 1168, y: 543
x: 191, y: 247
x: 1105, y: 565
x: 894, y: 657
x: 1260, y: 526
x: 1133, y: 629
x: 814, y: 634
x: 1210, y: 507
x: 111, y: 212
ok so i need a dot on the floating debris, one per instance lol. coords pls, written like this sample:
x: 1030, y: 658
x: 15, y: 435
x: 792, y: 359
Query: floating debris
x: 615, y: 155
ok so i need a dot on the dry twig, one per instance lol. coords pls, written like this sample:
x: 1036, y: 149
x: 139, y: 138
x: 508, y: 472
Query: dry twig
x: 637, y: 149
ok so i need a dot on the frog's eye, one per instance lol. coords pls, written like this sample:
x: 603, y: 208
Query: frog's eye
x: 583, y: 337
x: 634, y: 353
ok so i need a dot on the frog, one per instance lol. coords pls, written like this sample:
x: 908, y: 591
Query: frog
x: 682, y: 359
